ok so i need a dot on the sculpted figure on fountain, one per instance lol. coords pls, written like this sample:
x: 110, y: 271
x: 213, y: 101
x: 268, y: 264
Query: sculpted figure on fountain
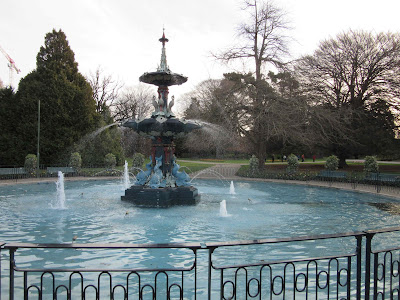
x: 143, y: 176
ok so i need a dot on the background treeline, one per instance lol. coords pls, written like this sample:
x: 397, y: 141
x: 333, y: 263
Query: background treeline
x: 343, y: 99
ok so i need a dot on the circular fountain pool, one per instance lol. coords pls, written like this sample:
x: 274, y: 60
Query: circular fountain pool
x: 94, y: 213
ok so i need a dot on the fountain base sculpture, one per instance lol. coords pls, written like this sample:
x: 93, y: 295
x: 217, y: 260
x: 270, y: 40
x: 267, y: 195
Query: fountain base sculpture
x: 164, y: 197
x: 162, y: 184
x: 154, y: 189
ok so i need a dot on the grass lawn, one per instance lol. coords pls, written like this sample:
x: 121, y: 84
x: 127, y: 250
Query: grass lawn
x: 194, y: 165
x: 189, y: 166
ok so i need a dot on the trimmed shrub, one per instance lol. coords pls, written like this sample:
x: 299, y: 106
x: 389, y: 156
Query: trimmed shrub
x: 253, y: 165
x: 371, y: 165
x: 293, y: 164
x: 30, y: 164
x: 332, y: 163
x: 75, y: 161
x: 110, y: 161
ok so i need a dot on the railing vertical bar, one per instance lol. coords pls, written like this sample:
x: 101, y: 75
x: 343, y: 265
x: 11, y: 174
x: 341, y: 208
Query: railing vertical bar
x: 25, y: 285
x: 210, y: 250
x: 195, y: 274
x: 294, y: 283
x: 348, y: 277
x: 375, y: 275
x: 222, y: 285
x: 390, y: 276
x: 182, y: 290
x: 337, y: 279
x: 328, y: 279
x: 1, y: 247
x: 261, y: 269
x: 11, y: 292
x: 369, y: 237
x: 358, y: 272
x: 398, y: 280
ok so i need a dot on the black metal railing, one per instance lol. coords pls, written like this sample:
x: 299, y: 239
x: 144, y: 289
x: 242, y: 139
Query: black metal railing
x: 352, y: 265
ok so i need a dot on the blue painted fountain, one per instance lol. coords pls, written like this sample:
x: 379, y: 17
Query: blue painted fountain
x: 162, y: 184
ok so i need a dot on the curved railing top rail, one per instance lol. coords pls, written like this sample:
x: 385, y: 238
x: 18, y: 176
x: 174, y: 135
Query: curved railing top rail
x: 197, y: 245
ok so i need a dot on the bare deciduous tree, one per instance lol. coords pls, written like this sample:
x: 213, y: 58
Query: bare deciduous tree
x: 212, y: 102
x: 134, y: 103
x: 105, y: 89
x: 262, y: 39
x: 355, y: 76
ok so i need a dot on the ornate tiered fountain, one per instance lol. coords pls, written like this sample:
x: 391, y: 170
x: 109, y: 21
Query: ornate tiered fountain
x: 162, y: 184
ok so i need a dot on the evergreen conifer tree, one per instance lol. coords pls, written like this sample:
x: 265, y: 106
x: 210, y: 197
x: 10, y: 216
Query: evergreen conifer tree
x: 67, y: 107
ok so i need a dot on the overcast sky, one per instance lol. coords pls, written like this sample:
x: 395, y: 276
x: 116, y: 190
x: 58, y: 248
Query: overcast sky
x: 122, y: 36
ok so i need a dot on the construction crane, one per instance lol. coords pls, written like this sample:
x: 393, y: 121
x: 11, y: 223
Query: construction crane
x: 11, y: 66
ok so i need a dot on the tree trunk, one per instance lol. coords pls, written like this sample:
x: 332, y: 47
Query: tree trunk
x: 342, y: 161
x: 261, y: 154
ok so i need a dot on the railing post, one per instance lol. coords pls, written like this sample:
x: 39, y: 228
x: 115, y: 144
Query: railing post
x: 375, y: 275
x: 378, y: 183
x: 195, y: 273
x: 12, y: 264
x: 1, y: 247
x: 359, y: 260
x: 210, y: 251
x: 369, y: 237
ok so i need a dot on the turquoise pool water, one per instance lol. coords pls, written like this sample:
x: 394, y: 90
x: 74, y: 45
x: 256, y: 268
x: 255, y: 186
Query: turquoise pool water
x: 94, y: 213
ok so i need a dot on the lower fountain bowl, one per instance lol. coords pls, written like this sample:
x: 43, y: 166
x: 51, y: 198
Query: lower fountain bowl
x: 154, y: 127
x: 163, y: 197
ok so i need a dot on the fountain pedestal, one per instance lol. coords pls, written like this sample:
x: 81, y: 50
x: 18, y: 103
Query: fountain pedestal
x: 162, y: 184
x: 164, y: 197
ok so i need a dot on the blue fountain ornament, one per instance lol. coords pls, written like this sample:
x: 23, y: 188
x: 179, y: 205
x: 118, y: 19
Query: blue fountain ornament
x: 157, y: 180
x: 181, y: 178
x: 143, y: 176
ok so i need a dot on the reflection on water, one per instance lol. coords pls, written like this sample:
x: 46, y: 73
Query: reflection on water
x: 392, y: 208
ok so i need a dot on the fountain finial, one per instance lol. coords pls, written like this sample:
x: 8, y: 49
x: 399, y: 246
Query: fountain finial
x: 163, y: 77
x: 163, y: 39
x: 163, y: 64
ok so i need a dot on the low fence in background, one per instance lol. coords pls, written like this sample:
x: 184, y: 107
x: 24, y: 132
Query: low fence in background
x: 356, y: 268
x: 16, y: 173
x: 374, y: 182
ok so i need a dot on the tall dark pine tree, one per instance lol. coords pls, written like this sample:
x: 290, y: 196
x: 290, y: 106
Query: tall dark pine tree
x: 68, y: 110
x: 9, y: 142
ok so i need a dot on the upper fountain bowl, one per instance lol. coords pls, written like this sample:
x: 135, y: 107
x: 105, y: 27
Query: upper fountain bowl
x: 164, y: 78
x: 162, y: 126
